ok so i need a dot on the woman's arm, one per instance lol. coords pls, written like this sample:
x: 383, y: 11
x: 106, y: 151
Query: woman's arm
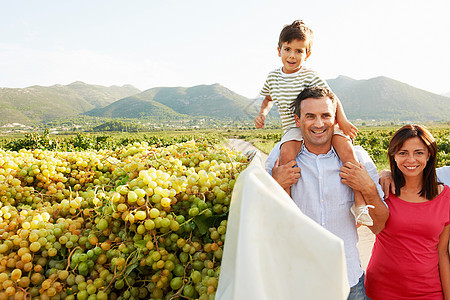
x: 444, y: 261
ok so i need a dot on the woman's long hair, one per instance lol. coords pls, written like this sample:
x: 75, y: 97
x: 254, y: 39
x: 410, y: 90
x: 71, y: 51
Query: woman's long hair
x: 430, y: 185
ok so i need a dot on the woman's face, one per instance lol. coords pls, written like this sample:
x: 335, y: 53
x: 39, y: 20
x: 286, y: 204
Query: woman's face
x: 412, y: 157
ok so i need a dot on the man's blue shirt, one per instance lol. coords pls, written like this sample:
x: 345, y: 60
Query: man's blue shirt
x: 321, y: 196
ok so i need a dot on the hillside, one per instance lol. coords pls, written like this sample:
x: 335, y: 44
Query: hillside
x: 382, y: 98
x: 134, y: 107
x: 214, y: 101
x: 446, y: 94
x: 39, y: 103
x: 100, y: 96
x: 211, y: 100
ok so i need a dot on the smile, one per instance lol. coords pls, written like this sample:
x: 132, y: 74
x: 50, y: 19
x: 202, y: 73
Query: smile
x: 318, y: 131
x: 411, y: 168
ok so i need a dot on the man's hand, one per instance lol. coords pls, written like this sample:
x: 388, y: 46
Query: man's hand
x: 356, y: 176
x: 286, y: 175
x: 386, y: 182
x: 259, y: 121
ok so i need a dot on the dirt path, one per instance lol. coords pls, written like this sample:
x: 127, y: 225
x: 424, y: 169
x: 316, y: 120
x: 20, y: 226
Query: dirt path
x: 366, y: 237
x: 244, y: 146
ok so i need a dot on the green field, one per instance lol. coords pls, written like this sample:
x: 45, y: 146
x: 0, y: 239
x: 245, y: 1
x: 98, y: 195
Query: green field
x: 374, y: 140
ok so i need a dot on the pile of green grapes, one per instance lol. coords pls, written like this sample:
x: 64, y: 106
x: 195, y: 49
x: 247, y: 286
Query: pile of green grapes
x: 137, y: 222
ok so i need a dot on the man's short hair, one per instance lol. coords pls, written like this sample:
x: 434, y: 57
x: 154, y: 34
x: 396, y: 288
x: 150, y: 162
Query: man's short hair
x: 315, y: 92
x: 296, y: 31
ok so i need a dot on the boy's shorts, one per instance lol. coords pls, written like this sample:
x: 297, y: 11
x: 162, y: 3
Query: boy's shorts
x: 295, y: 134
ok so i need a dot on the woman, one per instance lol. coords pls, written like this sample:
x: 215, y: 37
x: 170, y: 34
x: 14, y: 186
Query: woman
x: 410, y: 257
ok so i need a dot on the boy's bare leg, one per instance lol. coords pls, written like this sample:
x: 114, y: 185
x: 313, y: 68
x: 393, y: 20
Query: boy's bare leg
x: 344, y: 149
x: 288, y: 152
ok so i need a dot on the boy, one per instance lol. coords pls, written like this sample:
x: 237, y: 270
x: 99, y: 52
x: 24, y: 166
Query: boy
x: 283, y: 85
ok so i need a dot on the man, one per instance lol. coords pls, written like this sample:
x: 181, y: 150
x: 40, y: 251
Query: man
x: 318, y: 190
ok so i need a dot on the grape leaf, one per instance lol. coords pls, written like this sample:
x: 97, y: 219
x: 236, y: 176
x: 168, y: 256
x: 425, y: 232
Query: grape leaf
x: 141, y: 244
x: 125, y: 180
x: 130, y: 268
x: 204, y: 223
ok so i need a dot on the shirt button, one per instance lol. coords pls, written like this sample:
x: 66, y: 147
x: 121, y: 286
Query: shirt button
x: 321, y: 200
x: 323, y: 224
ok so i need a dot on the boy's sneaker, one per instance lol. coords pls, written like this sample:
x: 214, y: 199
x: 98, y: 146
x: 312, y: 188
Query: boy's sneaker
x: 361, y: 214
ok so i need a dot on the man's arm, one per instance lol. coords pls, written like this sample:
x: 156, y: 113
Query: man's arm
x: 358, y: 178
x: 443, y: 174
x: 387, y: 182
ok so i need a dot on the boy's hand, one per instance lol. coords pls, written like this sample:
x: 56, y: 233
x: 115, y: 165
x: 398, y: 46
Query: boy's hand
x: 348, y: 129
x: 259, y: 121
x: 386, y: 182
x: 286, y: 175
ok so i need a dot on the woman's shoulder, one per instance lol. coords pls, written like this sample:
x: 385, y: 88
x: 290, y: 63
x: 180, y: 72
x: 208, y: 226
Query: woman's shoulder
x: 443, y: 188
x: 444, y: 192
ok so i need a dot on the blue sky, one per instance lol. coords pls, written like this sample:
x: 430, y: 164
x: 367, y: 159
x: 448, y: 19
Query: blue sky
x: 185, y: 43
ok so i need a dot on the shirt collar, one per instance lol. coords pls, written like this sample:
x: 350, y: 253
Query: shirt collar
x: 305, y: 151
x: 290, y: 74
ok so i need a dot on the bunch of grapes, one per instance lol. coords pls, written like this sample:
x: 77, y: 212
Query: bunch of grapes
x: 137, y: 222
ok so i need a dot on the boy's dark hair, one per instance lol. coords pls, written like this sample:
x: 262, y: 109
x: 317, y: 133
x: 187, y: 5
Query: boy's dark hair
x: 296, y: 31
x: 430, y: 184
x: 315, y: 92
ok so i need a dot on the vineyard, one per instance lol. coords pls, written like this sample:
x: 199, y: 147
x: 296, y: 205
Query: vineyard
x: 140, y: 221
x: 127, y: 216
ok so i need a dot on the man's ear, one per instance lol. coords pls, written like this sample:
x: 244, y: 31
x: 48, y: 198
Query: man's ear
x: 297, y: 120
x: 307, y: 55
x: 279, y: 51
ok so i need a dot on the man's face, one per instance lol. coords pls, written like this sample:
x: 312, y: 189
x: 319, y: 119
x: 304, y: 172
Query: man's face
x: 317, y: 119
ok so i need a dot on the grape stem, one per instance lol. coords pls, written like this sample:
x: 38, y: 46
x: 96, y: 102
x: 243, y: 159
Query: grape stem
x: 121, y: 273
x: 154, y: 238
x: 70, y: 255
x: 178, y: 293
x: 25, y: 293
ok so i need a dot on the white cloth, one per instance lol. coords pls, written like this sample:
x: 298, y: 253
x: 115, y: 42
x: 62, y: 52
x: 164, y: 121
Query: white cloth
x: 273, y: 250
x: 443, y: 175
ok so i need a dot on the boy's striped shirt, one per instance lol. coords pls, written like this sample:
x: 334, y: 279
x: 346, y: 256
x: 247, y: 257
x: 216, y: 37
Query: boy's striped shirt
x: 284, y: 89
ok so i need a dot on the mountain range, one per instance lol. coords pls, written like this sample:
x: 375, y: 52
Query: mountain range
x: 380, y: 98
x: 213, y: 101
x: 383, y: 98
x: 36, y: 104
